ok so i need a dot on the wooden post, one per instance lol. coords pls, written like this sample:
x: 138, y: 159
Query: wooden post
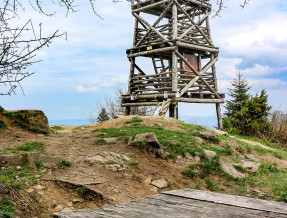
x: 219, y: 118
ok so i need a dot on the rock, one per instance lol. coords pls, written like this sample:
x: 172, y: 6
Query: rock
x: 110, y: 140
x: 70, y: 204
x: 188, y: 156
x: 38, y: 187
x: 147, y: 181
x: 251, y: 157
x: 209, y: 154
x: 219, y: 132
x: 154, y: 189
x: 229, y: 169
x: 207, y: 135
x: 49, y: 162
x: 66, y: 210
x: 149, y: 138
x: 30, y: 190
x: 18, y: 168
x: 160, y: 183
x: 11, y: 160
x: 252, y: 166
x: 34, y: 120
x: 179, y: 157
x: 198, y: 140
x: 77, y: 200
x: 149, y: 142
x: 197, y: 159
x: 106, y: 157
x: 59, y: 208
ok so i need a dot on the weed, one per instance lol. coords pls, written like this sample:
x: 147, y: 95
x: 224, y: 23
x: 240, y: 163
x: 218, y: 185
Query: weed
x: 189, y: 172
x: 210, y: 185
x: 110, y: 162
x: 171, y: 156
x: 2, y: 124
x: 228, y: 150
x: 31, y: 146
x: 57, y: 128
x: 239, y: 168
x: 100, y: 142
x: 210, y: 165
x: 39, y: 163
x: 7, y: 209
x: 66, y: 163
x: 80, y: 128
x: 266, y: 168
x: 133, y: 163
x: 135, y: 120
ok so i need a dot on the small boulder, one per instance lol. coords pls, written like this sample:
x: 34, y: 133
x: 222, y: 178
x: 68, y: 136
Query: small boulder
x: 110, y: 140
x: 209, y: 154
x: 229, y: 169
x: 251, y: 166
x: 219, y: 132
x: 160, y: 183
x: 149, y: 138
x: 149, y: 142
x: 198, y: 140
x: 147, y: 181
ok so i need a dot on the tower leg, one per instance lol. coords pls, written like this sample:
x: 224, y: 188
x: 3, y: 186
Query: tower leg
x: 219, y: 118
x: 171, y: 110
x: 176, y: 111
x: 128, y: 110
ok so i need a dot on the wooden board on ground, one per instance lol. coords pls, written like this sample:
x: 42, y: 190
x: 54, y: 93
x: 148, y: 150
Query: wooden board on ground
x: 187, y: 203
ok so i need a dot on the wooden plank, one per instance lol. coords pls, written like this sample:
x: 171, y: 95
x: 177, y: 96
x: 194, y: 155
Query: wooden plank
x: 231, y: 200
x: 149, y: 6
x: 168, y: 49
x: 199, y: 100
x: 196, y: 47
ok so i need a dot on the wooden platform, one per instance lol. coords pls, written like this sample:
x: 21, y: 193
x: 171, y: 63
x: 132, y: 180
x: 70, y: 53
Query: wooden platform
x: 187, y: 203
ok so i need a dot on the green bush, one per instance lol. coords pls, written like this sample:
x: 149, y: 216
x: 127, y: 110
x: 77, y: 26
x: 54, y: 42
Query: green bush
x: 2, y: 124
x: 31, y: 146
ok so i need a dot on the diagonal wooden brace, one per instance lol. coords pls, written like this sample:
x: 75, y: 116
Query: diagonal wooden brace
x: 156, y: 22
x: 198, y: 75
x: 198, y: 23
x: 191, y: 20
x: 152, y: 28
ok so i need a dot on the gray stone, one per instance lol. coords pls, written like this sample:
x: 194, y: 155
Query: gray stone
x: 219, y: 132
x: 252, y: 166
x: 110, y: 140
x: 149, y: 138
x: 229, y: 169
x: 209, y: 154
x: 160, y: 183
x: 18, y: 168
x: 207, y: 135
x: 198, y: 140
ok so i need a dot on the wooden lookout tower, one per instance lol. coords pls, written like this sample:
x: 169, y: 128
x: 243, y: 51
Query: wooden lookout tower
x: 175, y: 36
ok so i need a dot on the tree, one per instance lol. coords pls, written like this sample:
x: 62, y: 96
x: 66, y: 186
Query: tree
x: 103, y: 115
x: 246, y: 114
x: 239, y: 94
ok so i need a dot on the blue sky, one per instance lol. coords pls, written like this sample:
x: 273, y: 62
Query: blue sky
x: 75, y: 74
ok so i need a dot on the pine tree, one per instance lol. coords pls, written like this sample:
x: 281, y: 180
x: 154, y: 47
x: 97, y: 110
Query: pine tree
x: 239, y: 94
x: 103, y: 115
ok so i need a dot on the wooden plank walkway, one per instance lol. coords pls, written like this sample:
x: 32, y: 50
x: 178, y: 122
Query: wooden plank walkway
x: 187, y: 203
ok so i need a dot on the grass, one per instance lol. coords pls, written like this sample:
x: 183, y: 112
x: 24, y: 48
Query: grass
x: 66, y: 163
x: 135, y: 120
x: 210, y: 185
x: 186, y: 143
x: 7, y: 208
x: 57, y: 128
x: 134, y: 163
x: 80, y: 128
x: 31, y: 146
x: 2, y: 124
x: 189, y: 172
x: 100, y: 142
x: 13, y: 179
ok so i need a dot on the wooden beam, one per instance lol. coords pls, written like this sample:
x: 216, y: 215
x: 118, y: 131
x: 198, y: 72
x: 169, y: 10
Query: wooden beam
x: 149, y: 6
x: 197, y: 47
x: 199, y: 100
x: 168, y: 49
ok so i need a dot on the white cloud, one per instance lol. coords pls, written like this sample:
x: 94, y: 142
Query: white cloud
x: 83, y: 89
